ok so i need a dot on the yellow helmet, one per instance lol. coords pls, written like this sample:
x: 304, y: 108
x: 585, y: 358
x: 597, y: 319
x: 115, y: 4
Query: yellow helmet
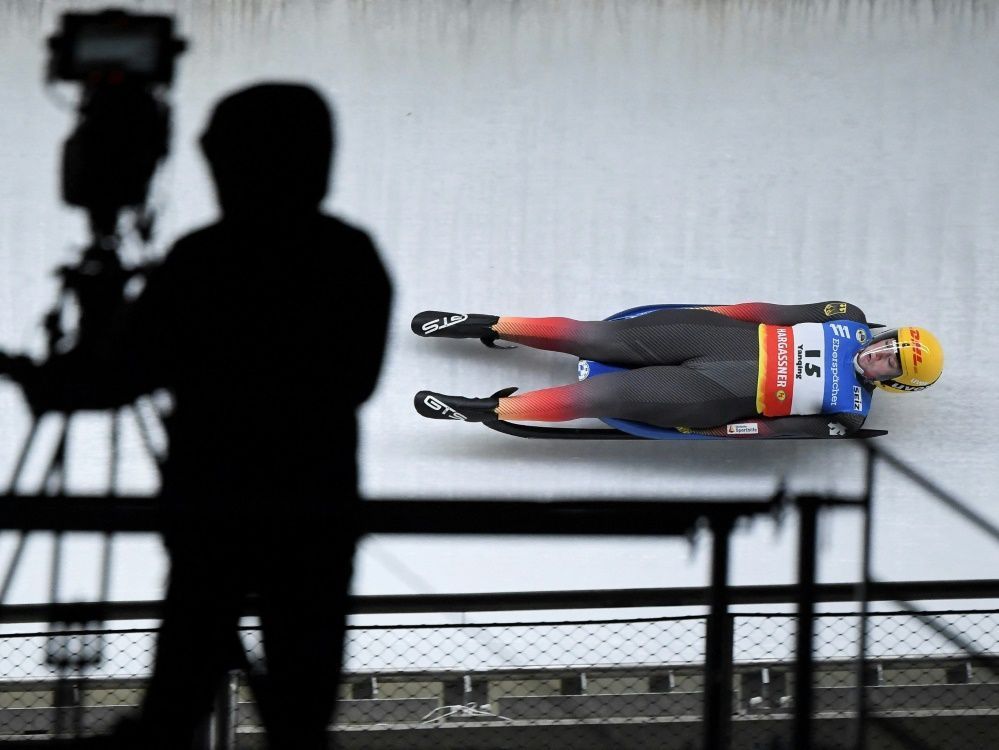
x: 919, y: 359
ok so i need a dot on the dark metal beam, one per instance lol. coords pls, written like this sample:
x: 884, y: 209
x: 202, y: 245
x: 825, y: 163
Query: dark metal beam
x: 951, y: 501
x: 597, y: 516
x: 885, y: 591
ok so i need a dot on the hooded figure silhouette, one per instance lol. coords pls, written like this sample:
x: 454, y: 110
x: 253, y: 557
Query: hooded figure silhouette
x: 240, y: 323
x: 270, y: 147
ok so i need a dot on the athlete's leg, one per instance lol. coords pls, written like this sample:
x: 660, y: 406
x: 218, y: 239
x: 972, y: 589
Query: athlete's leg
x: 668, y: 336
x: 667, y: 396
x: 665, y: 337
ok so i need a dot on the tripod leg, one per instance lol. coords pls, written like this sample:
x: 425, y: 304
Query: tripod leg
x: 54, y: 479
x: 22, y: 456
x: 15, y: 560
x: 15, y: 478
x: 114, y: 451
x: 141, y: 416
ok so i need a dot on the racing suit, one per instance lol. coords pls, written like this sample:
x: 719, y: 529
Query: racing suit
x: 748, y: 369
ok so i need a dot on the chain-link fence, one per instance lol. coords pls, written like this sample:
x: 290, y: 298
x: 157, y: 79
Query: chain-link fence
x: 622, y: 683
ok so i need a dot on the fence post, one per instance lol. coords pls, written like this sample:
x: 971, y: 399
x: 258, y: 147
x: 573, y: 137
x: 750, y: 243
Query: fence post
x: 803, y: 668
x: 225, y: 713
x: 718, y: 644
x: 863, y: 594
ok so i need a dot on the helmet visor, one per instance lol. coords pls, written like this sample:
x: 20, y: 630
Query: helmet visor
x: 879, y: 360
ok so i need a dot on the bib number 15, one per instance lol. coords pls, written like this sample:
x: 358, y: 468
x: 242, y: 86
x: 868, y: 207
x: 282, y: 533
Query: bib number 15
x: 811, y: 368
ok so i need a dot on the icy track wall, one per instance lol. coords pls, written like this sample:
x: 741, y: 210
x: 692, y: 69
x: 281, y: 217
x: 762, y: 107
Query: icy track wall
x: 539, y: 158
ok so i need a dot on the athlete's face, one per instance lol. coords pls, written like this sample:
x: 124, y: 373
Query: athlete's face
x: 879, y: 360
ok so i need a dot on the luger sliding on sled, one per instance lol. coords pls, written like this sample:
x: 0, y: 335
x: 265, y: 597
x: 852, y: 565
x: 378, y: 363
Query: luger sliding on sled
x: 752, y: 370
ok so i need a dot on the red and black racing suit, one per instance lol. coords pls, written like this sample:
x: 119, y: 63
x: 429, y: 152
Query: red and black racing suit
x: 695, y: 368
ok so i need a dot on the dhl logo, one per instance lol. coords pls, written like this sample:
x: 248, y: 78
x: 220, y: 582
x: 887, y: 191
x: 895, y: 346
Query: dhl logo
x: 917, y: 349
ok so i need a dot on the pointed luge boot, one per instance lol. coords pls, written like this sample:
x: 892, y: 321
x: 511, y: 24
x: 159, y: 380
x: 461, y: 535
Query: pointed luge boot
x: 441, y: 406
x: 448, y: 325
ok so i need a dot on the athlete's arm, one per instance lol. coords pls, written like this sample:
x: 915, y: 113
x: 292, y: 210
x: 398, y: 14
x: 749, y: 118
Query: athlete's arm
x: 802, y: 426
x: 787, y: 315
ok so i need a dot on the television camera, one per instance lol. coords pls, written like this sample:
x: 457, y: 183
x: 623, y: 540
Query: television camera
x: 125, y: 64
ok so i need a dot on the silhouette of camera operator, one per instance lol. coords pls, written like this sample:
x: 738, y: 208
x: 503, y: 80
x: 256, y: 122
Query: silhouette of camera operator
x: 244, y: 323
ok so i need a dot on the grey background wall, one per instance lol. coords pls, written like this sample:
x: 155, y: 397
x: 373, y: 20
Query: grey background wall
x: 578, y: 159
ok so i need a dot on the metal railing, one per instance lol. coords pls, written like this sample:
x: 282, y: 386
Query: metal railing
x: 630, y: 516
x: 576, y: 682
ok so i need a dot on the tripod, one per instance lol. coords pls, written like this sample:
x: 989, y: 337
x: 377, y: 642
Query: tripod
x: 97, y: 282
